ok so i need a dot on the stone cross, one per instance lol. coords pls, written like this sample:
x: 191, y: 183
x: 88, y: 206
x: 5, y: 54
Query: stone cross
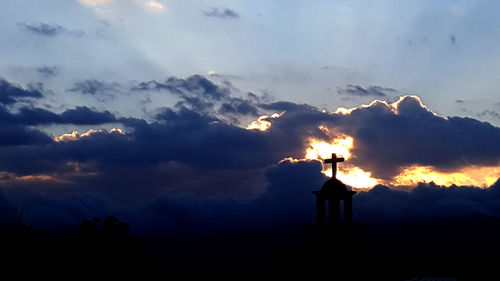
x: 334, y: 161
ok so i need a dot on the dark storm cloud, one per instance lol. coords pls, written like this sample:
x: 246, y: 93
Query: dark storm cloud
x: 287, y: 200
x: 221, y: 13
x: 355, y: 90
x: 387, y: 137
x: 193, y: 85
x: 185, y: 154
x: 287, y: 106
x: 81, y: 115
x: 48, y: 71
x: 387, y: 141
x: 19, y: 135
x: 199, y: 93
x: 239, y: 106
x: 43, y: 29
x: 10, y: 93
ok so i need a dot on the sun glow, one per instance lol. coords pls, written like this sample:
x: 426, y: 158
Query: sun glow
x: 318, y: 149
x: 472, y: 175
x: 349, y: 174
x: 154, y: 5
x: 263, y: 123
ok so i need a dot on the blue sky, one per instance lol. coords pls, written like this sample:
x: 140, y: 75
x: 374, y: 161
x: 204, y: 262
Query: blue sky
x: 295, y: 50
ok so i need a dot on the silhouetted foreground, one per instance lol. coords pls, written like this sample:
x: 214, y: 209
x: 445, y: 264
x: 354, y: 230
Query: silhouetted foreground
x: 463, y: 248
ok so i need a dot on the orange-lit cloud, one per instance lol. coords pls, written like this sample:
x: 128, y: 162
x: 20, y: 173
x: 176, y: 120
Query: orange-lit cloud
x: 75, y: 135
x: 472, y: 175
x: 8, y: 177
x: 317, y: 149
x: 321, y: 150
x: 263, y: 123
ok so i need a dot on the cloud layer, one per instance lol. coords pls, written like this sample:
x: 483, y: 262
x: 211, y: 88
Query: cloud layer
x: 192, y: 164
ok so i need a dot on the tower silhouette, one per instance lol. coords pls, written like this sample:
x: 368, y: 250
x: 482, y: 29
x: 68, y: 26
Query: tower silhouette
x: 333, y: 191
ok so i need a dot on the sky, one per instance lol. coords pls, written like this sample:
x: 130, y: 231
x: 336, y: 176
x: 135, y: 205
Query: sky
x: 173, y: 114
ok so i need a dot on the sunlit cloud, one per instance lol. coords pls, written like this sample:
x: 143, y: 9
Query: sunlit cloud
x: 76, y: 136
x: 263, y: 123
x: 320, y: 150
x: 154, y: 5
x: 342, y: 145
x: 8, y: 177
x: 472, y: 175
x: 393, y: 107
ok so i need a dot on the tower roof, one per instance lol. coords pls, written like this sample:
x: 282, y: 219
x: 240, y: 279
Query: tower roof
x: 333, y: 185
x: 333, y: 188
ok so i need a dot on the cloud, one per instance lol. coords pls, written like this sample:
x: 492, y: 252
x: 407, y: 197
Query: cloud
x: 199, y: 93
x: 389, y: 137
x: 489, y: 113
x: 287, y: 200
x: 80, y: 115
x: 48, y: 71
x: 11, y: 93
x: 355, y: 90
x: 221, y: 13
x: 43, y: 29
x: 94, y: 87
x: 453, y: 39
x: 20, y: 135
x: 49, y: 30
x: 193, y: 165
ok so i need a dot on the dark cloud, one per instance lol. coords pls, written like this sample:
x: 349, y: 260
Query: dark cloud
x: 194, y: 85
x: 48, y: 71
x: 43, y: 29
x: 10, y: 93
x: 221, y: 13
x: 81, y: 115
x: 239, y: 106
x: 100, y: 89
x: 287, y: 200
x: 202, y: 95
x: 19, y: 135
x: 188, y: 165
x: 489, y: 113
x: 355, y: 90
x: 287, y: 106
x: 453, y: 39
x: 49, y: 30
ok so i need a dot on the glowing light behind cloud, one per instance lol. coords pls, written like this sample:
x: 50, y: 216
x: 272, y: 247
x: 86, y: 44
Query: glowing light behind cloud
x: 75, y: 135
x: 349, y: 174
x: 394, y: 107
x: 473, y: 175
x: 263, y: 123
x: 319, y: 149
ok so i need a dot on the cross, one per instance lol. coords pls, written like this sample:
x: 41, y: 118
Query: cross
x: 334, y: 161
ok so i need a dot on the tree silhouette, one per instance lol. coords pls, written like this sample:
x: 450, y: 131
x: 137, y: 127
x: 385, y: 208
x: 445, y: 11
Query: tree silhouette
x: 107, y: 242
